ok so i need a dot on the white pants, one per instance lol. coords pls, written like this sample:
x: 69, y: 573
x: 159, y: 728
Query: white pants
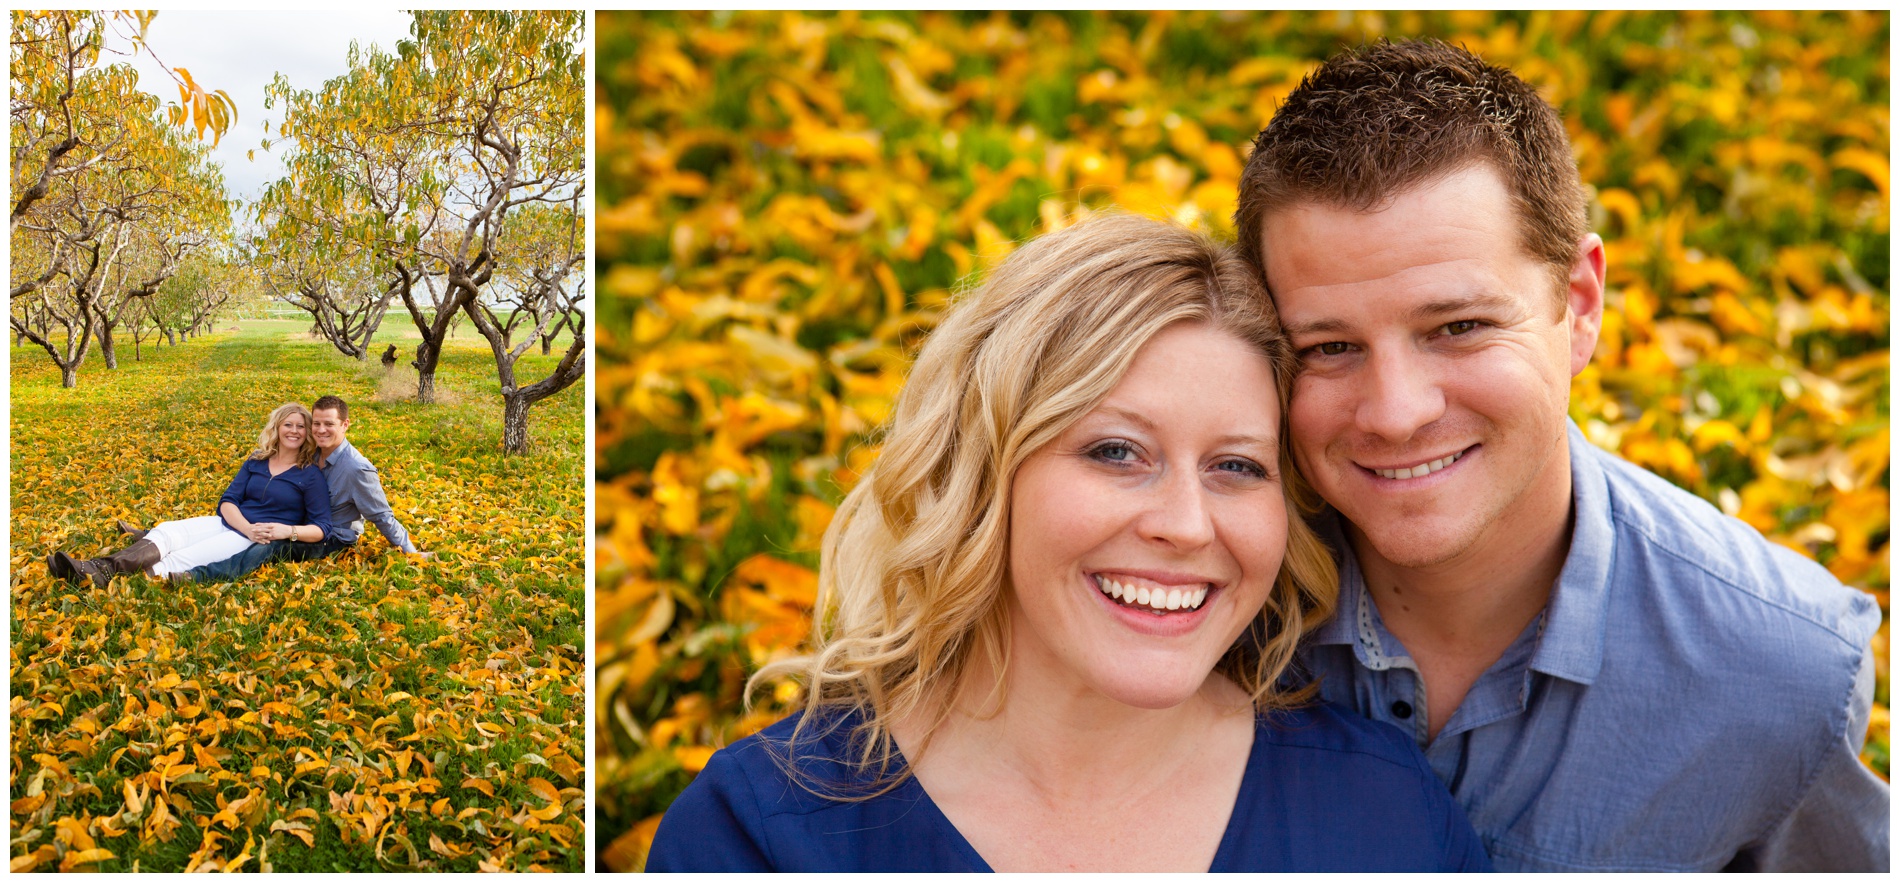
x: 193, y: 542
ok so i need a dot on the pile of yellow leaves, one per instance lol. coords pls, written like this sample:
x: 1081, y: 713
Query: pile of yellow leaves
x: 368, y: 711
x: 787, y: 201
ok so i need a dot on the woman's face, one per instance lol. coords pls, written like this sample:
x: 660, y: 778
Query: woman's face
x: 291, y: 432
x: 1167, y: 494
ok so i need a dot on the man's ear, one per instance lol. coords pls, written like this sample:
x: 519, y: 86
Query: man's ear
x: 1584, y: 301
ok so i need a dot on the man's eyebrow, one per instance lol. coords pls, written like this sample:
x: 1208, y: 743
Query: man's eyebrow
x: 1317, y: 326
x: 1481, y: 301
x: 1478, y: 300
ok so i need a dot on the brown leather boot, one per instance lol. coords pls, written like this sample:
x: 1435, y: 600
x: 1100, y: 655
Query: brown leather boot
x: 136, y: 558
x: 131, y: 530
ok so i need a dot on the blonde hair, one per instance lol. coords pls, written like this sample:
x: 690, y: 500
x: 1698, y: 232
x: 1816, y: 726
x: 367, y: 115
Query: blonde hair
x: 911, y: 563
x: 268, y: 443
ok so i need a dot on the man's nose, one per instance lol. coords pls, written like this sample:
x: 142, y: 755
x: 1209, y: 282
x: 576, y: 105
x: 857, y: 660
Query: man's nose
x: 1400, y: 395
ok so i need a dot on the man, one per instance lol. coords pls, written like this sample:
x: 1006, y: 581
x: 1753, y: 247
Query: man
x: 356, y: 493
x: 1607, y: 672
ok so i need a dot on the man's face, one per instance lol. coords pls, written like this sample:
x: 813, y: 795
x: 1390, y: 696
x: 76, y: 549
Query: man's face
x: 1435, y: 366
x: 329, y: 429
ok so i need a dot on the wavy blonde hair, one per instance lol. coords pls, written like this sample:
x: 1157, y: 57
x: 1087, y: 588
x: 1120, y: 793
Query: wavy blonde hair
x: 268, y: 443
x: 911, y: 563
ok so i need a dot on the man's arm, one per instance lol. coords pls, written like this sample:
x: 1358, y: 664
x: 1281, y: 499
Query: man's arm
x: 365, y: 486
x: 1842, y: 822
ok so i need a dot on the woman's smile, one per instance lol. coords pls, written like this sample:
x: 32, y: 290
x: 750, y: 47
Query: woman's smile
x: 1153, y: 597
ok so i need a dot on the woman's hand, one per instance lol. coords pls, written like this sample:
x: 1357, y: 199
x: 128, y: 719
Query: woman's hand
x: 237, y: 521
x: 266, y: 531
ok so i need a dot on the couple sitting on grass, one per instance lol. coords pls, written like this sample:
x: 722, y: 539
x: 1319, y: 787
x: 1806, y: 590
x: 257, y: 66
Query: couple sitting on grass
x: 302, y: 494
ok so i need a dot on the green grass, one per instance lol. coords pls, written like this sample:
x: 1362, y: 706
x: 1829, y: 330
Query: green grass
x: 249, y: 682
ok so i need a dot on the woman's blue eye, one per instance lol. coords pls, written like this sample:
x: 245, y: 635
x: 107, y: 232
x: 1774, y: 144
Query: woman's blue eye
x: 1114, y: 452
x: 1242, y: 467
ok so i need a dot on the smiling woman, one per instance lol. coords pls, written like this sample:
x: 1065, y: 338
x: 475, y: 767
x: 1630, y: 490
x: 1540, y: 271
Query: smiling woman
x: 1059, y: 606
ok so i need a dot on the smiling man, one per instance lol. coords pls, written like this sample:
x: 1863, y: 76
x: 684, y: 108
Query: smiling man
x: 1607, y: 672
x: 356, y: 494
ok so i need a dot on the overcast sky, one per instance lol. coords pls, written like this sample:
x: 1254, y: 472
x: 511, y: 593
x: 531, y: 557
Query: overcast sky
x: 240, y: 52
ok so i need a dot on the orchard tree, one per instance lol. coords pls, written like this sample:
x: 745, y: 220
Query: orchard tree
x: 507, y: 90
x: 111, y: 229
x: 52, y: 127
x: 536, y: 291
x: 421, y: 158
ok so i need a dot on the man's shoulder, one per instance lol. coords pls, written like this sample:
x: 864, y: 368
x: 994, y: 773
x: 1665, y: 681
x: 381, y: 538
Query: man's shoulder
x: 350, y: 458
x: 1687, y: 550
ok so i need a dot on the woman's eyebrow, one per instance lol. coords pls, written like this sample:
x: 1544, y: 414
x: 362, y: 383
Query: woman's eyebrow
x: 1134, y: 417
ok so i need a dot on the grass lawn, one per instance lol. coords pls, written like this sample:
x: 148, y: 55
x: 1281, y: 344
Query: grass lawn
x: 363, y: 712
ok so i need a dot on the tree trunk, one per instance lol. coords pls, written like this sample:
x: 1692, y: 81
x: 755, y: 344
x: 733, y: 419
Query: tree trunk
x: 69, y: 375
x: 427, y: 357
x: 105, y: 347
x: 514, y: 423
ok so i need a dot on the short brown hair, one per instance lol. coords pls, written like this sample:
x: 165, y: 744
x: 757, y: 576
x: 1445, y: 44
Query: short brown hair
x: 332, y: 403
x: 1376, y: 121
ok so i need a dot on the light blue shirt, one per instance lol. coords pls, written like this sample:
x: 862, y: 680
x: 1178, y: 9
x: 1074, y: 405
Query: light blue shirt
x: 356, y: 493
x: 1693, y: 697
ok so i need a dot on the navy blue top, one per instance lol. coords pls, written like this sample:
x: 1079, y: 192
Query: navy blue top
x: 1324, y: 790
x: 297, y: 495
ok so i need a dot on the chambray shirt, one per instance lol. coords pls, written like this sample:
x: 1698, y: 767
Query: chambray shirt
x: 356, y: 493
x: 1692, y: 698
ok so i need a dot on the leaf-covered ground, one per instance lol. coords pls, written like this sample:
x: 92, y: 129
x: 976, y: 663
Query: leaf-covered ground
x: 363, y: 712
x: 787, y: 200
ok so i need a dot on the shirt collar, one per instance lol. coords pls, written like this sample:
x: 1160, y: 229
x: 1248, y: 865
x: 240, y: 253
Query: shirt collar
x: 1575, y: 621
x: 340, y: 455
x: 1342, y: 628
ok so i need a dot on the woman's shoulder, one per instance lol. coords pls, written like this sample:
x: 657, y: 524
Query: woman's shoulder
x: 1348, y: 794
x: 793, y: 798
x: 1325, y: 726
x: 795, y: 761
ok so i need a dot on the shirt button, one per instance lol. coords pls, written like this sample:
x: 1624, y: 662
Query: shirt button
x: 1402, y: 709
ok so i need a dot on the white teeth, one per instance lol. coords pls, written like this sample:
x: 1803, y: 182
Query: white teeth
x: 1421, y: 470
x: 1156, y: 598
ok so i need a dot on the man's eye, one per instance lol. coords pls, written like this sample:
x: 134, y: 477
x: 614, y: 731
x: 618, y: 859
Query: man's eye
x: 1462, y: 326
x: 1329, y: 348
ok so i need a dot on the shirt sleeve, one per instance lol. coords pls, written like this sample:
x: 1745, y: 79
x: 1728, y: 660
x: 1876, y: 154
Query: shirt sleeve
x: 1463, y: 850
x: 316, y: 499
x: 234, y: 494
x: 714, y: 825
x: 1843, y: 821
x: 366, y: 488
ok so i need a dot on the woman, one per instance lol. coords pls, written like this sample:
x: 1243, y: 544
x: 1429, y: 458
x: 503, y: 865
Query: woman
x: 276, y: 487
x: 1055, y: 613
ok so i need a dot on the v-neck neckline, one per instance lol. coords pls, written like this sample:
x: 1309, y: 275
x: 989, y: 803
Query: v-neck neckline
x: 1229, y: 839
